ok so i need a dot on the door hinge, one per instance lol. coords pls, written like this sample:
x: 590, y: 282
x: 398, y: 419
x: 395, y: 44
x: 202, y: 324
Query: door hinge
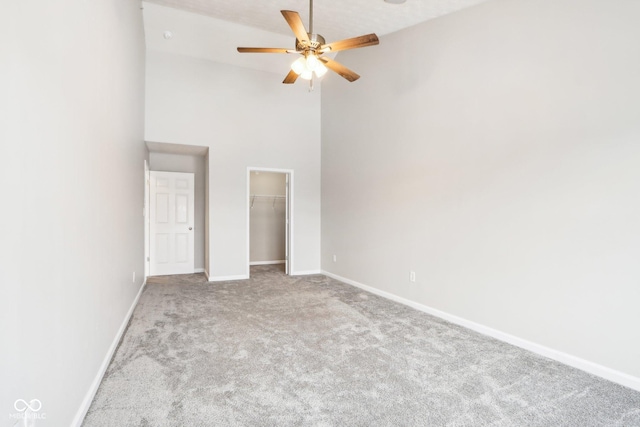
x: 148, y: 259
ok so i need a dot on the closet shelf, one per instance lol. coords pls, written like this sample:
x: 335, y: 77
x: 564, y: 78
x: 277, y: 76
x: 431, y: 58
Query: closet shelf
x: 266, y: 196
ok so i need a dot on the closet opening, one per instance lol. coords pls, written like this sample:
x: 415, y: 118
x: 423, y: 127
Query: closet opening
x: 269, y: 225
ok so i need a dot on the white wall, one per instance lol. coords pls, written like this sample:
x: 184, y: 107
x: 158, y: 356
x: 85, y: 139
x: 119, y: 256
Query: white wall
x: 169, y: 162
x: 247, y: 118
x: 205, y: 37
x: 71, y: 155
x: 267, y: 216
x: 495, y: 153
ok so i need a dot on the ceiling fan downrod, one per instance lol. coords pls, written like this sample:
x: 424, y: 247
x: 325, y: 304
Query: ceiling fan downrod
x: 310, y: 17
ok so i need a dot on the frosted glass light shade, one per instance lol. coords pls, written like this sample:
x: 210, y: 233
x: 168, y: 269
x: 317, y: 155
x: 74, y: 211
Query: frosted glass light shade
x: 299, y: 65
x: 312, y: 62
x: 320, y: 70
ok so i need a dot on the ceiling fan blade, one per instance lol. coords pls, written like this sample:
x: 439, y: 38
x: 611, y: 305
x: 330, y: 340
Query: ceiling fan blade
x: 340, y: 69
x: 353, y: 43
x: 291, y: 78
x: 263, y: 50
x: 294, y: 21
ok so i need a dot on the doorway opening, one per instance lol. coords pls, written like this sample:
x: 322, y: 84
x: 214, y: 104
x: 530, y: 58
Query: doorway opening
x: 179, y: 158
x: 269, y: 213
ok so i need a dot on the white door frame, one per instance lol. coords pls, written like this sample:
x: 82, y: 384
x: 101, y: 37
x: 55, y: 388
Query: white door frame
x: 147, y: 183
x: 289, y: 226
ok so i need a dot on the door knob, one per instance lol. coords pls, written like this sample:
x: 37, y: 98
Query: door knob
x: 190, y: 228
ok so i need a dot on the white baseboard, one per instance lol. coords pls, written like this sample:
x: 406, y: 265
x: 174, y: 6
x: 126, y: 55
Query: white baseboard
x: 305, y: 272
x: 88, y: 398
x: 227, y: 278
x: 567, y: 359
x: 198, y: 270
x: 281, y: 261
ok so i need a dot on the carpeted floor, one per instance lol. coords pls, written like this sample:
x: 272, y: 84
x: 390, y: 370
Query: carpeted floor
x: 310, y: 351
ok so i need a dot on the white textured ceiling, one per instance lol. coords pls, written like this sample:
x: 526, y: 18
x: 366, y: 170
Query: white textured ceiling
x: 333, y: 19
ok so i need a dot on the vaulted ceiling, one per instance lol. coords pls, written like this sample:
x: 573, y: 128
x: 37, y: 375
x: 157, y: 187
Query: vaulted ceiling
x: 334, y: 19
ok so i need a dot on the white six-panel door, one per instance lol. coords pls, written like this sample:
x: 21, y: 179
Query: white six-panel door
x: 171, y: 223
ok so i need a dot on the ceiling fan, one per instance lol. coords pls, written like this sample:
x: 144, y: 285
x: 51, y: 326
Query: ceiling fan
x: 312, y: 47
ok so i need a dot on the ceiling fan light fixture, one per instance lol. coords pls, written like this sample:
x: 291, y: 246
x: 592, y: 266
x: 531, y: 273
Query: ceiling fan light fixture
x: 312, y: 62
x: 320, y: 70
x: 299, y: 66
x: 305, y: 67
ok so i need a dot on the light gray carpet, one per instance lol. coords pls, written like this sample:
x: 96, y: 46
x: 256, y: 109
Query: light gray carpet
x: 311, y: 351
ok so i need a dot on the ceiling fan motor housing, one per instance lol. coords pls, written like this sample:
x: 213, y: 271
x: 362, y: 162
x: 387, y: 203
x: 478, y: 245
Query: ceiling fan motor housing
x: 316, y: 40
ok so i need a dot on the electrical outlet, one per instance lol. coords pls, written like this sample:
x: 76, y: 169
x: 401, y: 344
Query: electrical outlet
x: 134, y: 277
x: 335, y: 258
x: 412, y: 276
